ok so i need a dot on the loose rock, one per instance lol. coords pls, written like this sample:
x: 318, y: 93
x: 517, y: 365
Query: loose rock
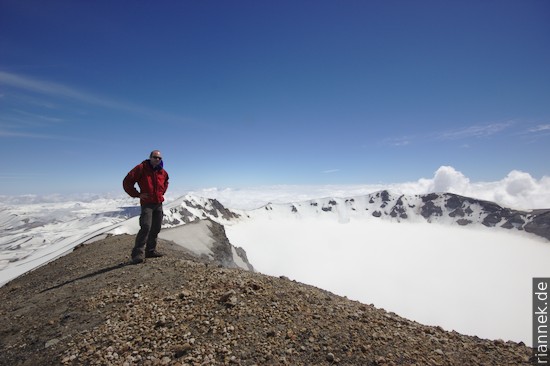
x: 183, y: 310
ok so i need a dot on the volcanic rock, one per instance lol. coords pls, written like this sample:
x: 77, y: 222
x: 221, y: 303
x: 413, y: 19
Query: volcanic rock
x: 91, y: 307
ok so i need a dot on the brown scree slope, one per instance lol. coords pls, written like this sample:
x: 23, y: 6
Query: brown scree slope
x: 91, y: 308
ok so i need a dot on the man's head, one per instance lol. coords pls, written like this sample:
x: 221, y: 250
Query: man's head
x: 155, y: 157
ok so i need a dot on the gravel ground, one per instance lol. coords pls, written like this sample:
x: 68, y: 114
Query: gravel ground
x: 91, y: 307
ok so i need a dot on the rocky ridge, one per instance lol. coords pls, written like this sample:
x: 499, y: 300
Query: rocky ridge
x: 207, y: 240
x: 90, y: 307
x: 192, y: 208
x: 445, y: 208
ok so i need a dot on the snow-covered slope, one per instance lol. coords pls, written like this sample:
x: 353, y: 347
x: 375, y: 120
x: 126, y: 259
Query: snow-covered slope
x: 443, y: 208
x: 34, y: 234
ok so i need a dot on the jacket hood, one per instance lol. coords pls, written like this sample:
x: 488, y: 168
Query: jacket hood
x: 160, y: 166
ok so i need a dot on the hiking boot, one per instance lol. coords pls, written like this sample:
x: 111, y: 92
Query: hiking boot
x: 153, y: 254
x: 137, y: 259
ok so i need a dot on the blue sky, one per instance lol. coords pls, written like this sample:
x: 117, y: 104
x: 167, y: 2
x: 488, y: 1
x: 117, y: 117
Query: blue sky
x: 248, y: 93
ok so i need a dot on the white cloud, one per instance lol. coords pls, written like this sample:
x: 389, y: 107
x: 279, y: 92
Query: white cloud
x: 447, y: 179
x: 519, y: 183
x: 518, y: 190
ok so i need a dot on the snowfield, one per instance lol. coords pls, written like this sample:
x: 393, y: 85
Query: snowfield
x: 33, y: 234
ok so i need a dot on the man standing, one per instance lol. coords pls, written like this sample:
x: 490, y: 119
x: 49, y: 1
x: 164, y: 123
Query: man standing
x: 152, y: 180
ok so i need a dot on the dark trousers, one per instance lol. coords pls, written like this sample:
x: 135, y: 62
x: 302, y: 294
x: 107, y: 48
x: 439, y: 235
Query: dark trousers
x: 150, y: 221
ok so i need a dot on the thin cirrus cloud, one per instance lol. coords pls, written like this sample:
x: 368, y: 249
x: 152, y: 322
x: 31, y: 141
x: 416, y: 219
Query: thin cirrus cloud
x: 16, y: 122
x: 399, y: 141
x: 58, y: 90
x: 476, y: 131
x: 539, y: 128
x: 39, y: 116
x: 8, y: 133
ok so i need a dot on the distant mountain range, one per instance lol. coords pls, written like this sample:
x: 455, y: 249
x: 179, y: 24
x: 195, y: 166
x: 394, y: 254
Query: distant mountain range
x: 31, y: 236
x: 443, y: 208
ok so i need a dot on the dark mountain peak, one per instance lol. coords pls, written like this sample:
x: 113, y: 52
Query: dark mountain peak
x: 190, y: 208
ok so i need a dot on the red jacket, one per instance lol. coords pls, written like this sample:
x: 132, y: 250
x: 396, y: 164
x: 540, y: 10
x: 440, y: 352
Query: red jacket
x: 153, y: 182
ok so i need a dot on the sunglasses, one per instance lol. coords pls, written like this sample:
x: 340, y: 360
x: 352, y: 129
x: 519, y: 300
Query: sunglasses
x: 156, y: 157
